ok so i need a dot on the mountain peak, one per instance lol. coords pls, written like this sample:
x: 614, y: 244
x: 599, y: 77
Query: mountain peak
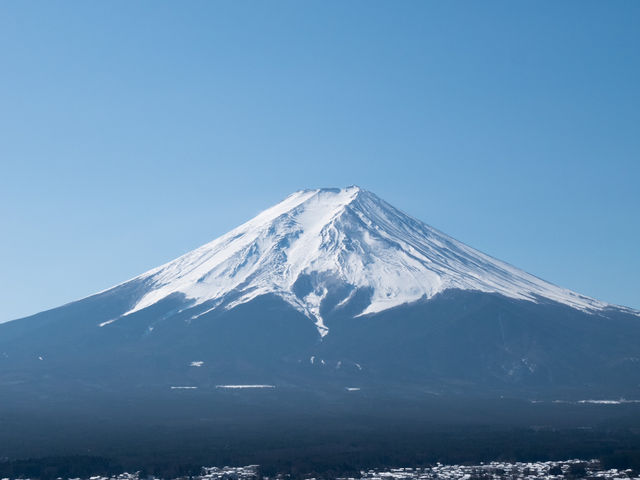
x: 338, y: 195
x: 355, y: 189
x: 339, y: 242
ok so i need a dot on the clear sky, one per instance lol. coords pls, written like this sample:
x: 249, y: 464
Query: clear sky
x: 133, y: 132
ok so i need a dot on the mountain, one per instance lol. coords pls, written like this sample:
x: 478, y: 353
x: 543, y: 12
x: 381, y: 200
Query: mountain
x: 330, y: 290
x: 321, y: 243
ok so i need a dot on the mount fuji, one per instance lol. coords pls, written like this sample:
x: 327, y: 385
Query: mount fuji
x: 330, y: 290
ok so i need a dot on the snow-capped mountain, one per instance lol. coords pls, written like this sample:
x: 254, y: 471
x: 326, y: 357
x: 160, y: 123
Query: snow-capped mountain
x: 347, y: 239
x: 330, y: 290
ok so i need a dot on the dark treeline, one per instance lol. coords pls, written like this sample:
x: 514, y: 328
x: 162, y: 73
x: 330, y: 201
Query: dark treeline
x: 54, y: 467
x: 304, y: 455
x: 170, y: 438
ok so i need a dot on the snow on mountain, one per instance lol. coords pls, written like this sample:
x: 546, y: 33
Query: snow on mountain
x: 347, y: 238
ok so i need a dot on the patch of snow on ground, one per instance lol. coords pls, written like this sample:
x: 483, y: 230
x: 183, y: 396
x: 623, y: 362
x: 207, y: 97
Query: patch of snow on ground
x: 245, y: 386
x: 608, y: 402
x: 620, y: 401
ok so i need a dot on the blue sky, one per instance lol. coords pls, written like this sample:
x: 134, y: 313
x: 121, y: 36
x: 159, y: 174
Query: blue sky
x: 132, y: 132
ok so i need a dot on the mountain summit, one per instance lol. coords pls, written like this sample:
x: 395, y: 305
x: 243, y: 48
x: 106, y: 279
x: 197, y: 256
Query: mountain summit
x: 318, y: 242
x: 333, y: 291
